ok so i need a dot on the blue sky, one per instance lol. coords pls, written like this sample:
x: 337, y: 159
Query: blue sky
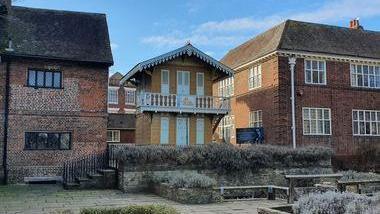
x: 141, y: 29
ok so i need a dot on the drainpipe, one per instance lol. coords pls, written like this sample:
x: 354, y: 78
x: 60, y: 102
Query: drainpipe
x: 6, y: 113
x: 292, y: 64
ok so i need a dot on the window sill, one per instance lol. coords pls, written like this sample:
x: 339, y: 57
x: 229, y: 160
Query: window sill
x: 41, y: 87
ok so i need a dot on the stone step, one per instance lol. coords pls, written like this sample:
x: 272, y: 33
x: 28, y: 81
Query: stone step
x: 95, y: 176
x: 106, y: 171
x: 71, y: 186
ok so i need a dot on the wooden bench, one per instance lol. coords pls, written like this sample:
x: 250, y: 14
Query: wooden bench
x: 342, y: 185
x: 293, y: 178
x: 270, y: 189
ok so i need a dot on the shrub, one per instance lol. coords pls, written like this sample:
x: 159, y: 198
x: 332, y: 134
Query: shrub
x: 353, y: 175
x: 223, y: 156
x: 335, y: 203
x: 133, y: 209
x: 185, y: 180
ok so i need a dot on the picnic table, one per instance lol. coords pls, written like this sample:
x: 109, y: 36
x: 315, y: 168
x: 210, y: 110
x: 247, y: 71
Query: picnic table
x: 293, y: 178
x: 343, y: 184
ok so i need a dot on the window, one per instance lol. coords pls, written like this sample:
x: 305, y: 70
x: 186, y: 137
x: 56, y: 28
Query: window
x: 254, y: 79
x: 44, y: 79
x: 113, y: 97
x: 366, y: 123
x: 47, y: 141
x: 164, y: 135
x: 226, y: 87
x: 200, y: 131
x: 316, y: 121
x: 256, y: 118
x: 365, y: 76
x: 113, y: 136
x: 164, y: 81
x: 130, y: 96
x: 226, y: 128
x: 315, y: 72
x: 200, y: 84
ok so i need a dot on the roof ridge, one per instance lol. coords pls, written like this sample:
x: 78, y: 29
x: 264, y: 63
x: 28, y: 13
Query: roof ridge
x: 332, y: 26
x: 58, y: 11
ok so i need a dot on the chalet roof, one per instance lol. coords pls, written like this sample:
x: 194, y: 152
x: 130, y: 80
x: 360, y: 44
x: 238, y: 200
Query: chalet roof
x: 188, y: 50
x: 55, y: 34
x: 308, y: 37
x: 121, y: 121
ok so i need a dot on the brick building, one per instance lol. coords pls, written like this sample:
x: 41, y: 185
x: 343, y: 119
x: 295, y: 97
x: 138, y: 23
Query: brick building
x: 336, y: 85
x: 121, y: 111
x: 53, y: 89
x: 174, y: 97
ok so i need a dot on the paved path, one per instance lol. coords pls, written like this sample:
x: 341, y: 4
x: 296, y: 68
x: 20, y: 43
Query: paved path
x: 53, y: 199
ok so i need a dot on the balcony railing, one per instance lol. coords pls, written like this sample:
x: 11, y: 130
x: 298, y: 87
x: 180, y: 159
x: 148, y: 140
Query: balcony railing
x: 182, y: 103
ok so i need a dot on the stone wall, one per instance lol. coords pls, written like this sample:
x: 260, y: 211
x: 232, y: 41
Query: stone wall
x: 135, y: 179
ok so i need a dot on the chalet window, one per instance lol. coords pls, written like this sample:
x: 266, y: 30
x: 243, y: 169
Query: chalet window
x: 256, y: 118
x: 227, y: 128
x: 47, y: 141
x: 254, y: 79
x: 113, y: 136
x: 164, y: 134
x: 44, y: 79
x: 226, y: 87
x: 365, y: 76
x: 113, y: 96
x: 130, y: 96
x: 316, y: 121
x: 165, y: 81
x: 200, y: 84
x: 366, y: 123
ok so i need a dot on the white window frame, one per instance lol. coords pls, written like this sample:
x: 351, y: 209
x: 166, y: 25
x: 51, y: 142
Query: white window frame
x: 129, y: 90
x: 165, y: 88
x: 116, y: 89
x: 256, y: 118
x: 373, y: 120
x: 227, y: 123
x: 226, y: 87
x: 114, y: 139
x: 255, y: 77
x: 164, y: 141
x: 200, y: 89
x: 316, y: 120
x: 372, y: 72
x: 312, y: 70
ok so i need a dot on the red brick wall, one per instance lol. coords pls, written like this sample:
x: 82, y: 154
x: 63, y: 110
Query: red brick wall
x: 338, y: 95
x: 2, y: 97
x: 80, y: 108
x: 127, y: 136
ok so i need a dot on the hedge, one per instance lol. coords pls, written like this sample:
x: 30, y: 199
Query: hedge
x: 337, y: 203
x: 185, y: 180
x: 224, y: 156
x: 133, y: 209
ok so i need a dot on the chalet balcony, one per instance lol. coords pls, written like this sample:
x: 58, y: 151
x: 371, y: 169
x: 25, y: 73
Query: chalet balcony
x: 158, y: 102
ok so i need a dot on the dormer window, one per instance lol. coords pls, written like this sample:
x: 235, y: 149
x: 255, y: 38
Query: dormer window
x: 44, y: 79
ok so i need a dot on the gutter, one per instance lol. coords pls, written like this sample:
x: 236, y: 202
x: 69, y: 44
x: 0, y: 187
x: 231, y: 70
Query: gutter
x: 6, y: 114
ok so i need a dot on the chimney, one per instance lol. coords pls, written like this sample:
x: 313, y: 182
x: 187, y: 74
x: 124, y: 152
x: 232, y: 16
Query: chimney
x: 5, y: 7
x: 354, y: 24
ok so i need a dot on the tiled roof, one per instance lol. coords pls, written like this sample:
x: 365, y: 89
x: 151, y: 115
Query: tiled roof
x: 189, y: 50
x: 55, y: 34
x: 308, y: 37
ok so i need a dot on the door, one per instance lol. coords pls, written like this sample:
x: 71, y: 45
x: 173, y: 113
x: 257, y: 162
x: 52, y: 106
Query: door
x: 183, y: 82
x: 182, y: 131
x: 164, y: 135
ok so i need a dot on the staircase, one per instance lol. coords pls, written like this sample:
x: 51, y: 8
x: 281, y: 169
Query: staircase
x: 95, y: 171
